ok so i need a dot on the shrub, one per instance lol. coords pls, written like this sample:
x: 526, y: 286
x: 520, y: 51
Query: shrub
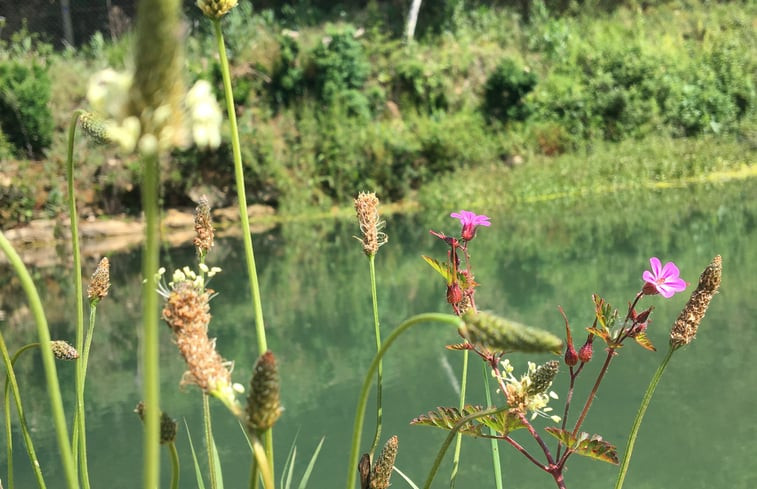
x: 505, y: 91
x: 25, y: 117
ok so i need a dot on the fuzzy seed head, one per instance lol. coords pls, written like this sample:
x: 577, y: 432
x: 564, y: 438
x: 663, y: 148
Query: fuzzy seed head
x: 382, y: 469
x: 366, y: 208
x: 215, y: 9
x: 63, y: 351
x: 685, y: 327
x: 95, y: 128
x: 263, y: 403
x: 204, y: 231
x: 100, y: 282
x: 502, y: 335
x: 168, y: 426
x: 186, y: 312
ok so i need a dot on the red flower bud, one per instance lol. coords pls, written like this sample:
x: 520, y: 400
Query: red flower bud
x: 586, y: 351
x: 571, y: 357
x: 454, y: 293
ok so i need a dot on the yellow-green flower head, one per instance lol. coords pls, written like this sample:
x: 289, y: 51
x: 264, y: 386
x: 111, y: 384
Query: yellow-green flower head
x: 204, y: 115
x: 522, y: 395
x: 215, y: 9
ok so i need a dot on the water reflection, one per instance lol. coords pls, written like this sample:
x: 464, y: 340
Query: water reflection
x: 315, y: 287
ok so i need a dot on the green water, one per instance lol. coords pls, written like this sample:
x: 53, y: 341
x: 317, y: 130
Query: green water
x: 698, y: 431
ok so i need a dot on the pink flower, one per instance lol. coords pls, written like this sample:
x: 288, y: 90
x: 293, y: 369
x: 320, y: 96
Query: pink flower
x: 470, y: 221
x: 664, y: 280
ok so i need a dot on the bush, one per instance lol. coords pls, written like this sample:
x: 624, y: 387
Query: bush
x: 341, y: 68
x: 25, y: 117
x: 505, y: 91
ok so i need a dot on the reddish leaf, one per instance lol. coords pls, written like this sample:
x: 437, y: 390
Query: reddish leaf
x: 643, y: 340
x: 589, y: 446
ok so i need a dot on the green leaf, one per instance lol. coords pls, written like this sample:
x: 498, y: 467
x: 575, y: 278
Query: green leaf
x: 311, y: 464
x: 198, y: 472
x: 503, y: 423
x: 589, y: 446
x: 217, y: 464
x: 643, y: 340
x: 440, y: 267
x: 447, y: 417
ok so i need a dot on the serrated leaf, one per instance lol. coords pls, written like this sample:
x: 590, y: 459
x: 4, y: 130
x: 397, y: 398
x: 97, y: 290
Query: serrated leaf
x: 503, y: 423
x: 589, y: 446
x: 643, y: 340
x: 440, y: 267
x: 447, y: 417
x: 605, y: 335
x: 460, y: 346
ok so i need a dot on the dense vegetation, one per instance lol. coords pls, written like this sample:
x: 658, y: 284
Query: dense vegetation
x: 330, y: 108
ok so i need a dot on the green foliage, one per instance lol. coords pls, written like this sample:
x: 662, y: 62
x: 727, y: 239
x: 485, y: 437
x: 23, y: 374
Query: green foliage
x: 340, y: 69
x: 16, y: 204
x: 446, y: 418
x: 25, y: 117
x: 505, y: 90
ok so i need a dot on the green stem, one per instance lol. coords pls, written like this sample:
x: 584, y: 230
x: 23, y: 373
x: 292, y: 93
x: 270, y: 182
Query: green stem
x: 150, y: 365
x: 453, y: 432
x: 253, y: 473
x: 11, y: 383
x: 640, y: 416
x: 80, y: 448
x: 48, y: 362
x: 357, y: 430
x: 209, y: 440
x: 264, y: 467
x: 494, y: 442
x: 459, y: 440
x: 236, y: 151
x: 379, y: 371
x: 174, y: 465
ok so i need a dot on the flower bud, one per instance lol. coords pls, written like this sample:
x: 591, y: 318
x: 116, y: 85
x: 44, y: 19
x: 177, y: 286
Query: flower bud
x: 587, y: 350
x: 571, y: 357
x: 263, y: 404
x: 454, y: 293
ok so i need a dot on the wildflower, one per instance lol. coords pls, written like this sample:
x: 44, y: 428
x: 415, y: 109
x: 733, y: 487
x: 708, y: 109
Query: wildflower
x: 529, y: 393
x: 663, y: 280
x: 366, y: 207
x: 470, y: 221
x: 100, y: 282
x: 685, y: 327
x: 382, y: 469
x: 95, y: 128
x: 186, y: 312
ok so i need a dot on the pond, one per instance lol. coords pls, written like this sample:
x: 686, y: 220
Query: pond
x: 697, y: 433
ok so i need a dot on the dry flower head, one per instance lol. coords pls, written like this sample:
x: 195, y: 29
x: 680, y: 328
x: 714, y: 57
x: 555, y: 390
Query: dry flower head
x: 685, y: 327
x: 100, y: 282
x: 366, y: 207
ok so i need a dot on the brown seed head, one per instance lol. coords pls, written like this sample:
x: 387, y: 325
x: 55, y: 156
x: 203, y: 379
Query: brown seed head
x: 100, y: 282
x: 382, y: 469
x: 168, y: 426
x: 366, y: 208
x: 685, y: 327
x: 187, y: 313
x: 204, y: 231
x: 263, y: 403
x: 63, y: 351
